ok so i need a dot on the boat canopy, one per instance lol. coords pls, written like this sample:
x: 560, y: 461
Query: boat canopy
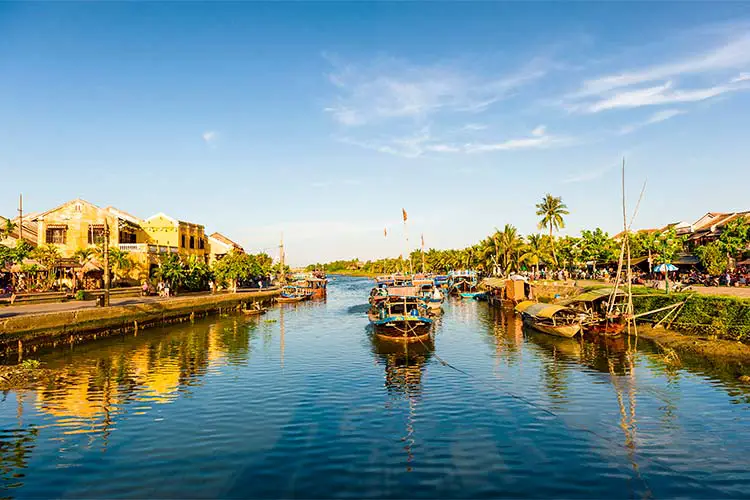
x: 539, y: 309
x: 592, y: 296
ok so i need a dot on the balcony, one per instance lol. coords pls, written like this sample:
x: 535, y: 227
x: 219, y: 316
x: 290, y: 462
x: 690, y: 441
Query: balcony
x: 146, y: 247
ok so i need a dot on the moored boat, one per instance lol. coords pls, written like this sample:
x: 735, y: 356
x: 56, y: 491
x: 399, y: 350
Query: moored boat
x: 465, y: 284
x: 550, y: 318
x: 594, y: 306
x: 401, y: 318
x: 291, y: 293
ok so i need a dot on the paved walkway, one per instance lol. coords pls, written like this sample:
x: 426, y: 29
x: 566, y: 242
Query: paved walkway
x: 73, y: 305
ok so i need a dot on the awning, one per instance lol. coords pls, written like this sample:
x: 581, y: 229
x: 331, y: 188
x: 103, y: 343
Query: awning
x: 538, y: 309
x: 592, y: 295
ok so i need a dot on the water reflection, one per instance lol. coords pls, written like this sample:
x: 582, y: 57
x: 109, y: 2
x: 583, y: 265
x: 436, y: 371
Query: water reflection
x: 404, y: 368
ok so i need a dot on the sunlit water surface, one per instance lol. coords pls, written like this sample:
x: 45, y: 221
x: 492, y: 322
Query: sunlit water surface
x: 304, y: 402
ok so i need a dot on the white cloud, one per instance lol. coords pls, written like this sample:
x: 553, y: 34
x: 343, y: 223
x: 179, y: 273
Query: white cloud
x: 691, y: 78
x: 474, y: 126
x: 391, y: 89
x: 657, y: 117
x: 539, y: 131
x: 664, y: 94
x: 210, y: 137
x: 733, y: 54
x: 539, y: 139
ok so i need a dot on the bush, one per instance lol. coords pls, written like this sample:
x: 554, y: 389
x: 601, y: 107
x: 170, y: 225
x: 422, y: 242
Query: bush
x: 80, y: 295
x: 725, y: 317
x: 30, y: 364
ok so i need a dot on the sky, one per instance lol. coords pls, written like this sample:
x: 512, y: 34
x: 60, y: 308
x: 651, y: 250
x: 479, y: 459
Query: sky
x: 322, y: 121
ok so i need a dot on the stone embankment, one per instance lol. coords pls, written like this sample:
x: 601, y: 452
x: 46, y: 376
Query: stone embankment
x: 31, y: 331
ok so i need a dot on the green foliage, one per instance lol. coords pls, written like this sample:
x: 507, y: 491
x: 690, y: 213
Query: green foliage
x: 725, y: 317
x: 238, y: 266
x: 31, y: 364
x: 598, y: 247
x: 712, y: 257
x: 80, y: 295
x: 735, y: 236
x: 552, y: 209
x: 171, y: 271
x: 666, y: 245
x: 537, y: 250
x: 7, y: 228
x: 197, y: 274
x: 46, y: 255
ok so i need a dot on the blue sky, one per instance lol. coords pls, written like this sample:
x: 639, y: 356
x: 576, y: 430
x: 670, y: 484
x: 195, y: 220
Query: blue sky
x: 323, y: 120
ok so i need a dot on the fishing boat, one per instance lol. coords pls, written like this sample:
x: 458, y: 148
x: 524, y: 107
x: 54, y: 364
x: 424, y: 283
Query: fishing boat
x: 313, y: 286
x: 550, y: 318
x: 431, y: 296
x: 291, y: 293
x: 464, y: 284
x: 254, y: 312
x: 377, y: 295
x: 384, y: 280
x: 441, y: 281
x: 401, y: 318
x: 422, y: 279
x: 594, y: 306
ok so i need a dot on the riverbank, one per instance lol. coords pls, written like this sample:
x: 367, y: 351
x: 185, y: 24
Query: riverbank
x: 355, y: 274
x: 24, y: 332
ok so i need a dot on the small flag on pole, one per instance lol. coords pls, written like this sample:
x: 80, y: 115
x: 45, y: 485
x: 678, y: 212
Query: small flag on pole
x: 422, y: 241
x: 385, y: 232
x: 403, y: 210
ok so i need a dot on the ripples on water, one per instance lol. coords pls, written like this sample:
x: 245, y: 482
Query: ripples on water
x: 305, y: 402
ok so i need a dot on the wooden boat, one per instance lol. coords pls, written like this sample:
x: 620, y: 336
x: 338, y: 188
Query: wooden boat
x: 441, y: 281
x: 464, y: 284
x: 384, y: 280
x: 312, y: 286
x: 292, y: 293
x: 377, y: 295
x: 550, y: 318
x: 401, y: 318
x: 431, y: 296
x: 254, y: 312
x: 593, y: 305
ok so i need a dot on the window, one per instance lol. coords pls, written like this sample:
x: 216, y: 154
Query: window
x: 183, y: 241
x: 56, y: 234
x: 127, y: 237
x: 201, y: 244
x: 96, y: 234
x: 192, y: 242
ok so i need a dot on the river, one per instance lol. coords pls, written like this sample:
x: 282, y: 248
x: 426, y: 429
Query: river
x: 303, y: 402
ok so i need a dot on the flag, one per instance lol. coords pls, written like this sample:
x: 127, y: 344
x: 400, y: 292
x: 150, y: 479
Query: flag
x: 385, y: 232
x: 403, y: 211
x: 422, y: 241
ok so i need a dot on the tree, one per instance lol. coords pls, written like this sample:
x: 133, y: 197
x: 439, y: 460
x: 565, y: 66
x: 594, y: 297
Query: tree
x: 197, y: 274
x: 536, y: 250
x: 119, y: 261
x: 47, y: 256
x: 171, y: 271
x: 83, y: 255
x: 735, y: 236
x: 597, y: 247
x: 510, y: 245
x: 552, y: 209
x: 667, y: 244
x: 7, y: 228
x: 713, y: 257
x: 569, y: 251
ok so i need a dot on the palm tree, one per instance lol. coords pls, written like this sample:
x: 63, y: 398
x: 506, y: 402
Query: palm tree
x: 552, y: 209
x: 7, y: 229
x: 120, y: 261
x: 83, y: 255
x: 47, y: 255
x: 536, y: 250
x: 509, y: 243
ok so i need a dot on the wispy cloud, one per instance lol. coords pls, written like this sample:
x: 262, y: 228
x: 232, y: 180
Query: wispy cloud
x: 657, y: 117
x: 391, y: 88
x: 423, y: 143
x: 474, y: 126
x: 210, y: 137
x: 665, y: 83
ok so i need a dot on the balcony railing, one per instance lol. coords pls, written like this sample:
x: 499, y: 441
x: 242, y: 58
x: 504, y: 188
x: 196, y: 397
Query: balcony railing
x: 147, y: 247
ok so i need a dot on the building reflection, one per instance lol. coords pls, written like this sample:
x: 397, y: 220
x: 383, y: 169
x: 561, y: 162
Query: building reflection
x: 100, y: 380
x: 404, y: 370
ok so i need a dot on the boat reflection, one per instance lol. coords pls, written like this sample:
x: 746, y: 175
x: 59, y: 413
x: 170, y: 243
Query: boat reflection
x: 404, y: 369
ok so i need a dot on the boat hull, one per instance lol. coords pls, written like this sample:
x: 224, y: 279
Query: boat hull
x: 605, y: 328
x: 566, y: 331
x: 471, y: 295
x: 287, y: 300
x: 254, y: 312
x: 403, y: 328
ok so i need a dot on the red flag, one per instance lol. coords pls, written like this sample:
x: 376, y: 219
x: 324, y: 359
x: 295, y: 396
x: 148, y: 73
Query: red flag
x: 385, y: 232
x: 403, y: 210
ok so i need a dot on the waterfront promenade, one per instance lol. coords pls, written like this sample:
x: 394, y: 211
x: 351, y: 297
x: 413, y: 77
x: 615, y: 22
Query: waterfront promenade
x: 76, y: 305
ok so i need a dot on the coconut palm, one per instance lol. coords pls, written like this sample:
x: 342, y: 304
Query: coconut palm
x: 552, y: 210
x: 120, y: 262
x: 536, y: 251
x: 510, y: 244
x: 7, y: 229
x: 83, y: 255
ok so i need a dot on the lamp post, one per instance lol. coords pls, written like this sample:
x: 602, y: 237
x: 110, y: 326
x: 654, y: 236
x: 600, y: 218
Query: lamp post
x: 106, y: 263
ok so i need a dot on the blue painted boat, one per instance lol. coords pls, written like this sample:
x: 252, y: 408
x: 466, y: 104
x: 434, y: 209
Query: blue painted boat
x: 401, y: 318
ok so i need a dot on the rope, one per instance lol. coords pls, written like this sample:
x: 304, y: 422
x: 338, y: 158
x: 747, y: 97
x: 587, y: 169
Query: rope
x: 547, y: 411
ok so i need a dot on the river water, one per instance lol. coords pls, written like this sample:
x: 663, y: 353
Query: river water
x: 304, y: 402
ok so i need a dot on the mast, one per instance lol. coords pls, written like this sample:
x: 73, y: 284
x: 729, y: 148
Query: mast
x: 282, y: 277
x: 406, y: 236
x: 423, y: 253
x: 20, y: 217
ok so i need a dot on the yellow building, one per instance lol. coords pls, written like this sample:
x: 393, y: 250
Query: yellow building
x: 186, y: 237
x: 219, y: 245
